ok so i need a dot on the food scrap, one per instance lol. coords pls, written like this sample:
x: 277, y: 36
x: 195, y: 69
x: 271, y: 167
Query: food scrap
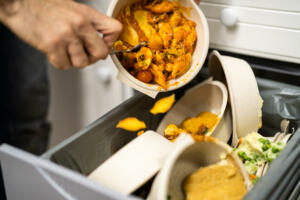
x: 163, y: 105
x: 131, y: 124
x: 199, y: 125
x: 222, y: 180
x: 140, y: 133
x: 255, y: 151
x: 170, y: 38
x: 172, y: 131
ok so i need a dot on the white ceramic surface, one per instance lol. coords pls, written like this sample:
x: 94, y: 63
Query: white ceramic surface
x: 198, y: 57
x: 243, y: 92
x: 187, y: 157
x: 134, y: 164
x: 208, y: 96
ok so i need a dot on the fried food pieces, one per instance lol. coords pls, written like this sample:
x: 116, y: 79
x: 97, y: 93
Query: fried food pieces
x: 170, y: 35
x: 163, y: 105
x: 199, y: 125
x: 131, y: 124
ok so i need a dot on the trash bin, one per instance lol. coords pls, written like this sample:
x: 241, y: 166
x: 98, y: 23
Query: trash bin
x: 61, y: 172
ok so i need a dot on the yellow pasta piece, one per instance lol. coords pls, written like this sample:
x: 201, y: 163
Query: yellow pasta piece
x: 169, y: 67
x: 181, y: 65
x: 163, y: 105
x: 140, y: 133
x: 172, y: 131
x: 193, y: 124
x: 119, y: 45
x: 131, y: 124
x: 180, y: 33
x: 141, y: 18
x: 166, y: 33
x: 163, y: 7
x: 144, y: 58
x: 190, y: 40
x: 176, y: 18
x: 159, y: 77
x: 155, y: 41
x: 159, y: 57
x: 196, y: 126
x: 129, y: 35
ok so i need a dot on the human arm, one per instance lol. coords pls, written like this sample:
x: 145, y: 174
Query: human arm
x: 66, y: 31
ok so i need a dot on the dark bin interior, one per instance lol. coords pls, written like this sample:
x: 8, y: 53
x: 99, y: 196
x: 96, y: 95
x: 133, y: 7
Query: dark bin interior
x: 94, y: 144
x: 91, y: 146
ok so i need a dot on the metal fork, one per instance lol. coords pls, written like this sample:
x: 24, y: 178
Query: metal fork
x: 133, y: 49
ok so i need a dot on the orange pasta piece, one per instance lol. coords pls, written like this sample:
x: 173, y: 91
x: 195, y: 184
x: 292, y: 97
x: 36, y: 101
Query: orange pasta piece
x: 163, y: 105
x: 131, y: 124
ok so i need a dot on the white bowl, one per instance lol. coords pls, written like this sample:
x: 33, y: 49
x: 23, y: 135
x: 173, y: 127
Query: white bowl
x: 198, y: 56
x: 243, y: 92
x: 223, y: 130
x: 187, y: 157
x: 134, y: 164
x: 210, y: 96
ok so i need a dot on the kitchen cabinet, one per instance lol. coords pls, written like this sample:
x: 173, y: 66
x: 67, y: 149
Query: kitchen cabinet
x: 262, y: 28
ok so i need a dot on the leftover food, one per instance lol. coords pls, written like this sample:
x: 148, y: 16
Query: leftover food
x: 170, y: 38
x: 131, y: 124
x: 199, y: 125
x: 255, y: 151
x: 222, y: 180
x: 163, y: 105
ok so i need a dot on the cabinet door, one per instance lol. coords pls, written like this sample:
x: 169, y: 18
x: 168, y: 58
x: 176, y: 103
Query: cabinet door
x: 264, y: 28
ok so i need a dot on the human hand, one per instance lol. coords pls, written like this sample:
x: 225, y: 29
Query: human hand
x: 66, y: 31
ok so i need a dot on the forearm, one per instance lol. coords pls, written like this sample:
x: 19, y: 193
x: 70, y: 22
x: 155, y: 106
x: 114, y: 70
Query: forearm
x: 66, y: 31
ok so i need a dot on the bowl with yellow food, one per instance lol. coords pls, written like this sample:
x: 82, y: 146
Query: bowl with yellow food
x: 200, y: 111
x: 200, y: 167
x: 176, y: 41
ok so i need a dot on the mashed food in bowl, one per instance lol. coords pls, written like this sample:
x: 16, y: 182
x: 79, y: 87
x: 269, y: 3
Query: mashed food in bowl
x: 170, y: 38
x: 222, y: 180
